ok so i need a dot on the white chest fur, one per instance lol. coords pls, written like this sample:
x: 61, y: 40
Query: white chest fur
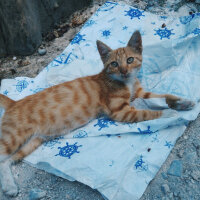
x: 131, y: 85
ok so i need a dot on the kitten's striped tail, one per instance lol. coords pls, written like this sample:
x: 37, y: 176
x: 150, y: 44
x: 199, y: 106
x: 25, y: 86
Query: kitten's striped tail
x: 5, y: 102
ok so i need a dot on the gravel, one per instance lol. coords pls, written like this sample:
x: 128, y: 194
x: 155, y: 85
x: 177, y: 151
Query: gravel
x: 177, y: 179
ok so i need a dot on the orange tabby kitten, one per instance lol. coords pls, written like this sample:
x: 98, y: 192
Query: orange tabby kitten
x: 67, y: 106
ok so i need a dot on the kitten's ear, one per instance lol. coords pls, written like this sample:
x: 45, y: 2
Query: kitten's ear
x: 104, y: 50
x: 136, y: 42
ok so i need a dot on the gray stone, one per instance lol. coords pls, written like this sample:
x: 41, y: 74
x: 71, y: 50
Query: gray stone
x: 164, y: 175
x: 14, y: 58
x: 180, y: 153
x: 36, y: 194
x: 22, y: 23
x: 170, y: 195
x: 175, y: 168
x: 42, y: 51
x: 195, y: 175
x: 165, y: 188
x: 176, y: 193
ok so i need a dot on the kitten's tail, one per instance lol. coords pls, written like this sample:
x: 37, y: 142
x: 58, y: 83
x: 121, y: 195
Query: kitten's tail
x: 5, y: 102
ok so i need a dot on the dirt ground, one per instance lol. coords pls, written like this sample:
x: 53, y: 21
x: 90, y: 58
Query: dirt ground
x: 163, y: 186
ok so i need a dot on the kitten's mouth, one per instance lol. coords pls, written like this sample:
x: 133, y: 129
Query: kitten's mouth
x: 125, y: 76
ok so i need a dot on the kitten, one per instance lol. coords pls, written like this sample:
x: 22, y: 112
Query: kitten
x: 64, y: 107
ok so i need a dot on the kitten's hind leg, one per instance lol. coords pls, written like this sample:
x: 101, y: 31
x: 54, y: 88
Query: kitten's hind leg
x: 7, y: 180
x: 28, y: 148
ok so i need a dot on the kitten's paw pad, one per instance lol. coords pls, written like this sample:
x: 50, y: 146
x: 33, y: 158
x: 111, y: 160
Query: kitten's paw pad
x: 182, y: 104
x: 169, y: 113
x: 10, y: 190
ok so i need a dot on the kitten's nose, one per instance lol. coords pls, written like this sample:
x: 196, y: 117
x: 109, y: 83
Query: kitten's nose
x: 123, y: 71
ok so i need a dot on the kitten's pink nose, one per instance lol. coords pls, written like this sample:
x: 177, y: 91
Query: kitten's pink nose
x: 123, y: 71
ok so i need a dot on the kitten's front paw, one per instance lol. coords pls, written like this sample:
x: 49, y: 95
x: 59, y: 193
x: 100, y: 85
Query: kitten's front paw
x: 181, y: 104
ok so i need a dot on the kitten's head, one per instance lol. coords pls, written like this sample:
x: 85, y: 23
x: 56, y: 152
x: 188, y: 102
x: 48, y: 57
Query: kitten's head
x: 123, y: 63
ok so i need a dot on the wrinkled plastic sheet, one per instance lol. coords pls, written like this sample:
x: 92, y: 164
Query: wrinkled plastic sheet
x: 109, y: 156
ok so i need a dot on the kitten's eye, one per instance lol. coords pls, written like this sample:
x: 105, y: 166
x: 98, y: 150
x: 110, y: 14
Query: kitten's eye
x: 130, y: 60
x: 114, y: 64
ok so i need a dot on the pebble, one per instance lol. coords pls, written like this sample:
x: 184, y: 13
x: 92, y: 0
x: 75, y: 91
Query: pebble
x: 165, y: 188
x: 164, y: 175
x: 176, y: 193
x: 171, y: 195
x: 176, y: 168
x: 14, y: 58
x: 185, y: 137
x: 36, y: 194
x: 180, y: 153
x: 195, y: 175
x: 42, y: 51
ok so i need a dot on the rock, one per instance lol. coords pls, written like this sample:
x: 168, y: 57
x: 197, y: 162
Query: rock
x: 171, y: 195
x: 185, y: 137
x: 165, y: 188
x: 32, y: 19
x: 36, y: 194
x: 13, y: 71
x: 64, y: 28
x: 195, y: 175
x: 176, y: 193
x: 42, y: 51
x: 22, y: 63
x: 14, y: 58
x: 180, y: 153
x: 164, y: 175
x: 176, y: 168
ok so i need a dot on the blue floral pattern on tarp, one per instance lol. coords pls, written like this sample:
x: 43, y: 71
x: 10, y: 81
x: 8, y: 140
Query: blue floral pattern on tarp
x: 106, y: 33
x: 168, y: 144
x: 81, y: 134
x: 78, y: 38
x: 134, y: 13
x: 147, y: 131
x: 164, y: 33
x: 53, y: 142
x: 196, y: 31
x: 5, y: 92
x: 68, y: 150
x: 105, y: 123
x: 109, y: 5
x: 21, y: 85
x: 140, y: 164
x: 186, y: 19
x: 89, y: 23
